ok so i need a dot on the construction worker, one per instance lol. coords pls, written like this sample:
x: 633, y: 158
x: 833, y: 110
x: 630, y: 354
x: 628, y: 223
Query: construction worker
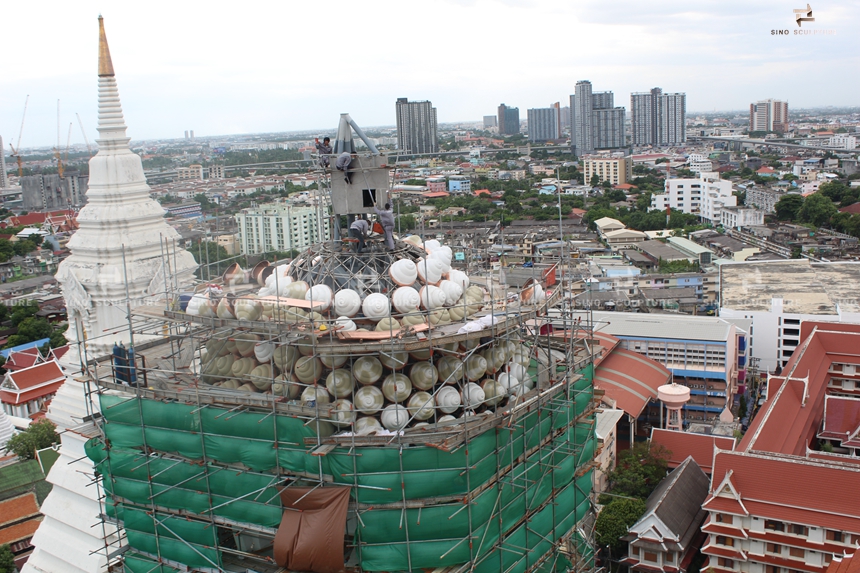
x: 359, y: 230
x: 344, y: 160
x: 324, y: 149
x: 386, y: 219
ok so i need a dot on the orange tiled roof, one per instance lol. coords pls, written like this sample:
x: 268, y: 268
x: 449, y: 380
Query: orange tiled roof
x: 17, y: 508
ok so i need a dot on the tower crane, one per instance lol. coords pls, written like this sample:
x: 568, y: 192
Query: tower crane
x: 61, y: 165
x: 84, y: 132
x: 16, y: 153
x: 58, y: 152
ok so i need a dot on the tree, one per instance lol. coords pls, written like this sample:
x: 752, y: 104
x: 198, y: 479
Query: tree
x: 788, y: 206
x: 817, y: 209
x: 213, y: 254
x: 7, y: 559
x: 30, y: 329
x: 24, y: 247
x: 39, y: 435
x: 594, y: 181
x: 47, y: 245
x: 614, y: 521
x: 23, y: 311
x: 639, y: 470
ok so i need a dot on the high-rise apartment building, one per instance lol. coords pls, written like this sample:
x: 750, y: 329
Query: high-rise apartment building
x: 280, y: 227
x: 509, y: 120
x: 595, y: 122
x: 490, y: 121
x: 416, y: 126
x: 658, y: 118
x: 769, y: 115
x: 544, y: 124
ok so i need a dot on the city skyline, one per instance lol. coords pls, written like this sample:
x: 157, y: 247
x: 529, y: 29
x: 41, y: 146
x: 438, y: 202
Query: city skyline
x: 260, y: 69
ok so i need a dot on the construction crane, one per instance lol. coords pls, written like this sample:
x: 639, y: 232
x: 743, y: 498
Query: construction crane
x: 58, y: 153
x: 16, y: 153
x: 84, y: 132
x: 62, y: 165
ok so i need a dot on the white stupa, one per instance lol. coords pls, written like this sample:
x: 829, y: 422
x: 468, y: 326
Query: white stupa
x: 119, y: 218
x: 7, y: 430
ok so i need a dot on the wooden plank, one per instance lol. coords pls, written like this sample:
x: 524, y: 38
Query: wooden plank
x: 323, y: 449
x: 381, y: 335
x: 294, y: 302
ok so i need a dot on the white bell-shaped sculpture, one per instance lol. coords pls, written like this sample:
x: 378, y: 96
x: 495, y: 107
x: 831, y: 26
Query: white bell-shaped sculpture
x: 452, y: 291
x: 412, y: 319
x: 247, y: 309
x: 200, y: 305
x: 403, y: 272
x: 297, y: 289
x: 343, y: 412
x: 225, y: 309
x: 431, y: 245
x: 420, y: 405
x: 473, y: 396
x: 375, y: 306
x: 459, y: 277
x: 450, y: 369
x: 494, y: 392
x: 445, y: 254
x: 345, y: 324
x: 367, y: 369
x: 393, y: 360
x: 285, y: 357
x: 448, y: 399
x: 366, y: 425
x: 333, y: 359
x: 396, y: 387
x: 309, y: 369
x: 522, y: 356
x: 283, y: 386
x: 387, y: 324
x: 243, y: 367
x: 423, y: 375
x: 405, y: 299
x: 517, y: 370
x: 507, y: 382
x: 339, y: 383
x: 443, y: 260
x: 432, y: 297
x: 246, y: 343
x: 430, y: 270
x: 495, y: 357
x: 320, y: 294
x: 261, y: 377
x: 315, y: 393
x: 476, y: 367
x: 347, y: 303
x: 446, y: 418
x: 368, y: 399
x: 263, y: 351
x: 394, y: 417
x: 528, y: 383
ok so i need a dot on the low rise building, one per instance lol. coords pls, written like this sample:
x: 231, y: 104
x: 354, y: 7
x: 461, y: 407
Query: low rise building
x: 704, y: 196
x: 459, y: 184
x: 190, y: 173
x: 615, y: 170
x: 765, y: 198
x: 735, y: 217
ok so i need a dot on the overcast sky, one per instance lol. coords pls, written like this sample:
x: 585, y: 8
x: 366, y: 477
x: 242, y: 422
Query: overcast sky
x: 247, y: 66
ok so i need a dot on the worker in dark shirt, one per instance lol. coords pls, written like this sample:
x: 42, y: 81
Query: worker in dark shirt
x: 344, y: 161
x: 359, y: 230
x: 324, y: 149
x: 386, y: 219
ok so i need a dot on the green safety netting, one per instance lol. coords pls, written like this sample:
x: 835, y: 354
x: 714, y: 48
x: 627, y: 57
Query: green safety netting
x: 137, y: 563
x: 173, y: 538
x: 535, y: 458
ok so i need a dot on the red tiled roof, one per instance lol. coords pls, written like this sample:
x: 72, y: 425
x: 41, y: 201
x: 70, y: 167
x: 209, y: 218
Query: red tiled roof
x: 853, y: 208
x: 684, y: 444
x: 22, y: 359
x: 720, y: 529
x: 19, y: 532
x: 482, y: 192
x: 724, y: 505
x: 724, y: 552
x: 435, y: 194
x: 765, y: 169
x: 36, y: 375
x: 795, y: 541
x: 30, y: 395
x: 34, y: 218
x: 630, y: 379
x: 847, y: 564
x: 788, y: 493
x: 17, y: 508
x: 841, y: 417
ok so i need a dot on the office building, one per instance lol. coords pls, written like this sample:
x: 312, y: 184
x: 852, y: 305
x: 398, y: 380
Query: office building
x: 544, y: 124
x: 738, y: 217
x: 416, y: 126
x: 459, y: 184
x: 657, y: 118
x: 190, y: 173
x: 595, y: 123
x: 509, y: 120
x: 216, y: 172
x: 769, y: 115
x: 490, y: 121
x: 704, y: 196
x: 616, y: 170
x: 281, y: 227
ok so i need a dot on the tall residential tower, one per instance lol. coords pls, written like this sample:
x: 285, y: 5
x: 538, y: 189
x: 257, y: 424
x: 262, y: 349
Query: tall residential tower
x: 658, y: 118
x: 416, y: 126
x: 769, y: 115
x: 595, y: 123
x: 509, y: 120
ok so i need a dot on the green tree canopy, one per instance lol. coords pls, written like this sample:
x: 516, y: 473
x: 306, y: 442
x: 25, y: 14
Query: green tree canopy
x: 817, y: 209
x: 788, y: 206
x: 614, y: 521
x: 639, y: 470
x: 39, y: 435
x: 7, y: 559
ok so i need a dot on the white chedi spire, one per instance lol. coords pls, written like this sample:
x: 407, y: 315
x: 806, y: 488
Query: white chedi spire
x: 7, y: 430
x: 120, y: 218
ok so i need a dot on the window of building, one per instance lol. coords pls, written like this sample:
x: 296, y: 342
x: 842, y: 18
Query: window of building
x: 725, y: 563
x: 797, y: 552
x: 772, y: 569
x: 649, y: 556
x: 773, y: 548
x: 800, y: 530
x: 725, y: 518
x: 727, y: 541
x: 834, y: 536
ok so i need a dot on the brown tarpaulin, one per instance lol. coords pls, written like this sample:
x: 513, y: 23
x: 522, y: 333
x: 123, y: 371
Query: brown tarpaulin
x: 311, y: 539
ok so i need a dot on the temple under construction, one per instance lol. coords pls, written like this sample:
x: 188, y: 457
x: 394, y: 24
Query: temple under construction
x: 389, y: 410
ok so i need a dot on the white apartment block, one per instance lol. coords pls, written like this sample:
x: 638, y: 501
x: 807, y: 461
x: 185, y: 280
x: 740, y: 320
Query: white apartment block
x: 216, y: 172
x: 737, y: 217
x: 843, y: 141
x: 616, y: 170
x: 704, y: 196
x: 190, y: 173
x: 698, y: 163
x: 281, y: 227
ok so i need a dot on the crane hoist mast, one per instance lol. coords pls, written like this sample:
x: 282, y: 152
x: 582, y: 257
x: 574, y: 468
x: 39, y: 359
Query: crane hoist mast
x: 16, y: 153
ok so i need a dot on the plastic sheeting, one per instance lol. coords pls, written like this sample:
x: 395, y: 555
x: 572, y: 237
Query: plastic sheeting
x: 312, y: 528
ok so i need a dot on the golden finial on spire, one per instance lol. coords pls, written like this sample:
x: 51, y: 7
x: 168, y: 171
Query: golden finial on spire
x: 105, y: 64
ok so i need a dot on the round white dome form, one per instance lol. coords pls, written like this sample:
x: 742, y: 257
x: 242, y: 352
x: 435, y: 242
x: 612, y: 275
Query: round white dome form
x: 347, y: 303
x: 375, y: 306
x: 405, y: 299
x: 448, y: 399
x: 432, y: 297
x: 367, y: 425
x: 394, y: 417
x: 403, y: 272
x: 320, y: 294
x: 7, y: 430
x: 673, y: 394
